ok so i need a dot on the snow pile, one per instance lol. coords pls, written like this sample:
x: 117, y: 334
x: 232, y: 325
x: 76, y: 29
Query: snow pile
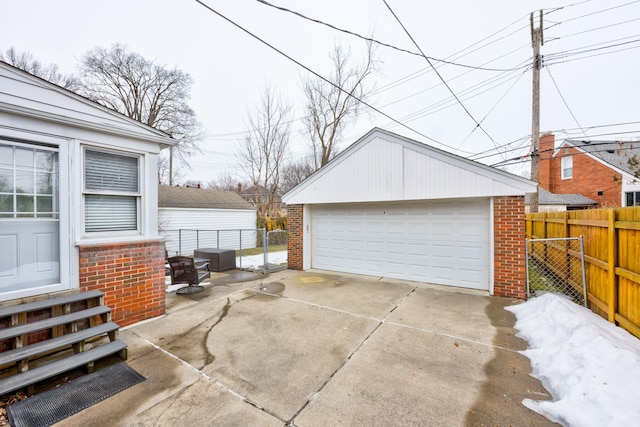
x: 590, y: 366
x: 255, y: 262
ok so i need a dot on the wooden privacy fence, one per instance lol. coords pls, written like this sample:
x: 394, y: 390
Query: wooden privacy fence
x: 612, y: 257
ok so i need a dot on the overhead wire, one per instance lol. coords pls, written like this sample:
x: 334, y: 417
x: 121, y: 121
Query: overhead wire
x: 406, y: 79
x: 437, y: 73
x: 564, y: 100
x: 372, y: 40
x: 280, y: 52
x: 491, y: 109
x: 594, y: 13
x: 525, y: 158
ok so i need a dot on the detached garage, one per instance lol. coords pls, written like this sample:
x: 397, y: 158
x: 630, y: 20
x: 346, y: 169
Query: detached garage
x: 392, y: 207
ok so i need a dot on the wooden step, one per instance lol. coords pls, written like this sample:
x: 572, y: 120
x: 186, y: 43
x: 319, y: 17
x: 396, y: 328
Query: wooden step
x: 45, y: 371
x: 48, y: 303
x: 46, y: 346
x: 39, y: 325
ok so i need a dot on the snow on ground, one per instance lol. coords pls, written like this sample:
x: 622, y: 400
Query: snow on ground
x: 252, y: 262
x: 590, y: 366
x: 255, y: 262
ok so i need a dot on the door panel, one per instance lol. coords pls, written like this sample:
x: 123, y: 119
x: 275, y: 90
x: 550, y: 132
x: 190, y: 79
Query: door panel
x: 439, y: 242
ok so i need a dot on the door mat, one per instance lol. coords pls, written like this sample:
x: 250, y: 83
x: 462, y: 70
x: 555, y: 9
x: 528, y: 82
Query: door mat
x: 59, y: 403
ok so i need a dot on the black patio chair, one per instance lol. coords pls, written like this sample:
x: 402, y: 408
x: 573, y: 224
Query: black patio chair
x: 183, y: 270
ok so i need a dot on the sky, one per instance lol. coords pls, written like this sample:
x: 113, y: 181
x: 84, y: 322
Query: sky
x: 590, y: 366
x: 588, y: 84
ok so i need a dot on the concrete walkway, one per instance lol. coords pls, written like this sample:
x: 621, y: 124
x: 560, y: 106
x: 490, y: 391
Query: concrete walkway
x: 324, y: 349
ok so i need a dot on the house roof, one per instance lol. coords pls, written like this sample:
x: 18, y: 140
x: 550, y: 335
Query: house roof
x: 547, y: 198
x: 613, y: 153
x: 26, y: 95
x: 383, y: 166
x: 200, y: 198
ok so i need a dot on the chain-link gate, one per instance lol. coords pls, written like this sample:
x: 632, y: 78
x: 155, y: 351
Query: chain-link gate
x: 276, y: 250
x: 556, y: 265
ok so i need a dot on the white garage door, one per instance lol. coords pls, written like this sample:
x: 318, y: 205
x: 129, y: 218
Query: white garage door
x: 443, y: 242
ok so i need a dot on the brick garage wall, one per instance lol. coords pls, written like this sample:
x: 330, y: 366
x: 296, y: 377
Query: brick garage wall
x: 509, y: 252
x: 131, y: 275
x: 295, y: 228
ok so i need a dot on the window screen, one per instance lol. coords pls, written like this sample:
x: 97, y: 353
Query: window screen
x: 111, y: 198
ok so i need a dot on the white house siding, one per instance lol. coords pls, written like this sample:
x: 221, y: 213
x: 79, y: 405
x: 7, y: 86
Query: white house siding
x: 34, y: 113
x: 217, y: 228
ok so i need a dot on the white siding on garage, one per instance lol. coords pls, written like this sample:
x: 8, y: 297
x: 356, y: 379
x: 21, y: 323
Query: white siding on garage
x: 442, y: 242
x: 379, y: 169
x: 216, y: 228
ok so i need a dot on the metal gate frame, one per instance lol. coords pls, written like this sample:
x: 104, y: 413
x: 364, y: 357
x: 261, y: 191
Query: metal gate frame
x: 547, y: 266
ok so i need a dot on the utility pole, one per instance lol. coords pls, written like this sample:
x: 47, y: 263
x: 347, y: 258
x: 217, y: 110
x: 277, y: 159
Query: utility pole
x: 536, y: 41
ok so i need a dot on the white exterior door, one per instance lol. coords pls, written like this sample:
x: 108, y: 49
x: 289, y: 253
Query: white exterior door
x: 29, y: 217
x: 442, y: 242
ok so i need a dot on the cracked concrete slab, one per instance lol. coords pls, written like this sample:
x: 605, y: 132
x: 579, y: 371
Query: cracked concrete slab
x: 316, y: 349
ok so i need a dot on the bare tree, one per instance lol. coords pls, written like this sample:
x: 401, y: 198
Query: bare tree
x: 51, y: 73
x: 226, y: 181
x: 331, y: 107
x: 262, y: 152
x: 145, y: 91
x: 293, y: 173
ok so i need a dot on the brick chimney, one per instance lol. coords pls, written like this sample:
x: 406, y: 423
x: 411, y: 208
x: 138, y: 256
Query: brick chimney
x: 547, y: 145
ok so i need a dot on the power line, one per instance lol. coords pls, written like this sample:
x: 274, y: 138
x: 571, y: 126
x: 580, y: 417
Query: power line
x: 564, y: 100
x: 317, y: 74
x: 526, y: 157
x: 594, y: 13
x: 372, y: 40
x: 554, y: 62
x: 591, y: 30
x: 492, y: 108
x: 437, y: 73
x: 582, y: 50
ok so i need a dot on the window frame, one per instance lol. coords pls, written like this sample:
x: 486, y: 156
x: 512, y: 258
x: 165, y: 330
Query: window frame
x: 566, y: 164
x: 137, y: 195
x: 635, y: 198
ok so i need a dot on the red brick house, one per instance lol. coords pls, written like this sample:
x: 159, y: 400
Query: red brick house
x: 604, y: 171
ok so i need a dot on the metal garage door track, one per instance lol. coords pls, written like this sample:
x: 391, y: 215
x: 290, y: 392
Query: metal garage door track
x: 318, y: 349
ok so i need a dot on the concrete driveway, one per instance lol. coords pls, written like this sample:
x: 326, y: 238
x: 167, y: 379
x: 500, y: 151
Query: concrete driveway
x: 320, y: 349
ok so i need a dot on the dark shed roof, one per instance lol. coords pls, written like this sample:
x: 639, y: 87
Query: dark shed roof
x: 200, y: 198
x: 547, y: 198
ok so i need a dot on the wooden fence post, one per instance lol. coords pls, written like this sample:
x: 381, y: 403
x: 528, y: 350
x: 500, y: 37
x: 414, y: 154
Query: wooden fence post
x: 612, y: 261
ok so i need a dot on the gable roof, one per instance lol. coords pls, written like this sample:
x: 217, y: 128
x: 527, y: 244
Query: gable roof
x: 384, y: 166
x: 200, y: 198
x: 547, y: 198
x: 615, y: 154
x: 27, y: 95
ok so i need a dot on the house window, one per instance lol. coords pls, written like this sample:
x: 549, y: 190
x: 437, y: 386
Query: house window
x: 111, y: 191
x: 633, y: 198
x: 567, y: 167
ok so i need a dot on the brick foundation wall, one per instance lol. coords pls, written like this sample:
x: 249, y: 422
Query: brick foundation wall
x: 296, y: 229
x: 509, y: 252
x: 131, y: 275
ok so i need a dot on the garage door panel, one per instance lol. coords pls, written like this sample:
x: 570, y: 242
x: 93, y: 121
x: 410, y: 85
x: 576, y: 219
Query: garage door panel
x: 438, y: 242
x: 472, y: 254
